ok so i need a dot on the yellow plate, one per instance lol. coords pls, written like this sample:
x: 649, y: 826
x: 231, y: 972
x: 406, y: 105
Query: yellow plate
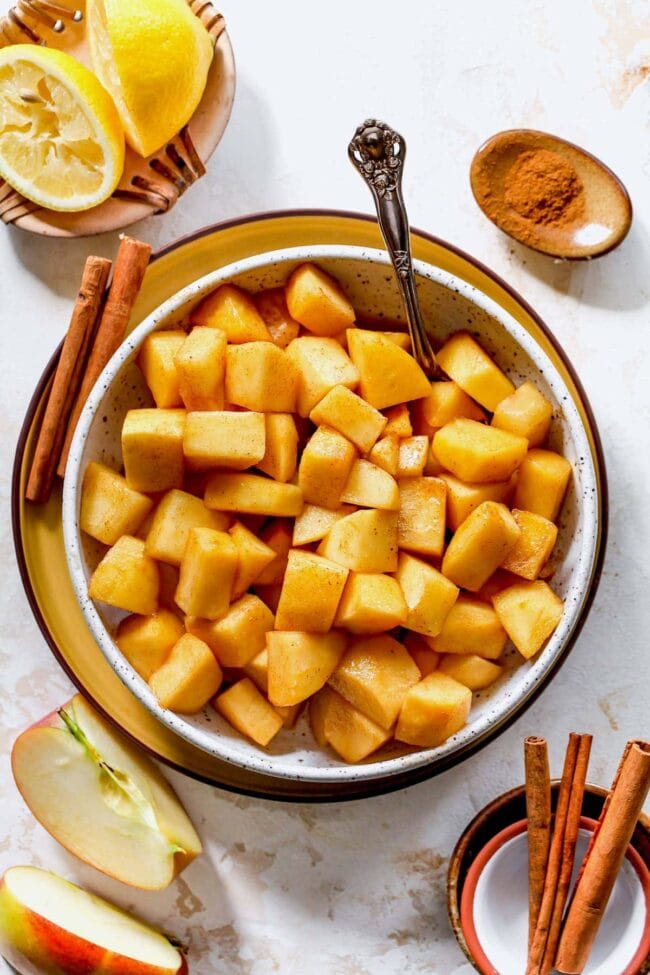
x: 37, y: 528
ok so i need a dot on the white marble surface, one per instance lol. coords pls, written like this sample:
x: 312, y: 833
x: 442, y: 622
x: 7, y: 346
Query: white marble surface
x: 358, y: 889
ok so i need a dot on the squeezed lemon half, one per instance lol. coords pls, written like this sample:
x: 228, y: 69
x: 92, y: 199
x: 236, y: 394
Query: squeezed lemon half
x: 61, y: 139
x: 153, y: 57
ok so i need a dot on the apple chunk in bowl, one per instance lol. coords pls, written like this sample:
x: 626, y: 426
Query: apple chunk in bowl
x: 451, y: 306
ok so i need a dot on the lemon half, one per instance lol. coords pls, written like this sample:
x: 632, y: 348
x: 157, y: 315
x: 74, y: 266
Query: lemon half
x: 153, y: 57
x: 61, y: 140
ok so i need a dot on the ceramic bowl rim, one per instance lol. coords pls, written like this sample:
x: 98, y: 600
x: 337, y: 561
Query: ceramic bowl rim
x: 446, y: 754
x: 491, y: 848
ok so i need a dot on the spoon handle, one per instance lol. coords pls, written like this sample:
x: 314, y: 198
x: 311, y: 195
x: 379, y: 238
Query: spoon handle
x: 378, y: 153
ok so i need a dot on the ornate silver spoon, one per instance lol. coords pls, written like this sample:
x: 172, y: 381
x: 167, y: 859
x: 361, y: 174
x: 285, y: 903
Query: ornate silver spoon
x: 378, y: 152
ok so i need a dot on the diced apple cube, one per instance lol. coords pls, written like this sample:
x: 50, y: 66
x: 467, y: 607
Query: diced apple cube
x: 169, y: 576
x: 238, y: 636
x: 371, y: 603
x: 412, y: 456
x: 343, y: 410
x: 299, y: 664
x: 177, y: 513
x: 446, y: 402
x: 233, y: 311
x: 278, y: 536
x: 365, y: 541
x: 429, y: 595
x: 385, y: 454
x: 261, y: 377
x: 471, y: 670
x: 368, y: 486
x: 475, y: 452
x: 254, y: 556
x: 147, y: 641
x: 399, y: 338
x: 374, y: 675
x: 258, y: 669
x: 218, y: 438
x: 426, y: 658
x: 463, y: 498
x: 532, y: 549
x: 421, y: 519
x: 433, y: 467
x: 272, y: 306
x: 318, y: 705
x: 398, y: 422
x: 314, y: 522
x: 207, y: 573
x: 480, y: 545
x: 498, y: 580
x: 289, y: 714
x: 472, y: 626
x: 469, y: 365
x: 433, y: 710
x: 542, y: 482
x: 248, y: 712
x: 127, y: 578
x: 325, y: 467
x: 317, y: 301
x: 389, y: 375
x: 322, y: 364
x: 109, y: 507
x: 156, y: 360
x: 526, y: 412
x: 311, y: 592
x: 249, y: 494
x: 152, y: 449
x: 529, y: 611
x: 350, y: 733
x: 188, y: 678
x: 201, y: 368
x: 281, y: 450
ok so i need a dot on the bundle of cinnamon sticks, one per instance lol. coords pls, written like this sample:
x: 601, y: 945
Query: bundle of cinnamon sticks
x: 558, y: 938
x: 97, y: 327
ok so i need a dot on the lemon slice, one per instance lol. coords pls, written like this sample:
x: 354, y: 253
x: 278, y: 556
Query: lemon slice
x: 61, y: 140
x: 153, y: 57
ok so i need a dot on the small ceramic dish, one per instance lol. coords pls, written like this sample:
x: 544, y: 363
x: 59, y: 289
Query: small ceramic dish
x: 449, y: 303
x: 488, y: 883
x: 148, y: 186
x: 602, y: 222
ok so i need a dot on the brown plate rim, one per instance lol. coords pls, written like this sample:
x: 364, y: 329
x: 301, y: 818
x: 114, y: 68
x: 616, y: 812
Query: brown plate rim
x: 585, y: 152
x: 273, y: 789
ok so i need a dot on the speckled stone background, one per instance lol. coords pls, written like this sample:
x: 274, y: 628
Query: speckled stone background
x: 358, y: 889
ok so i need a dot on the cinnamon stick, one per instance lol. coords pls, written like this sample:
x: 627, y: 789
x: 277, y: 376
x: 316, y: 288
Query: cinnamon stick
x: 568, y: 851
x: 538, y: 813
x: 130, y: 266
x: 604, y: 858
x: 67, y: 378
x: 569, y: 800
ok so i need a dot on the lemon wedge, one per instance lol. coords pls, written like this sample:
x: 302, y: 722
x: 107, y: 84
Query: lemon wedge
x: 153, y: 57
x: 61, y: 139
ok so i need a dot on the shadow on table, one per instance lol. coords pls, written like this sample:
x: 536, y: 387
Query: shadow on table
x: 617, y: 281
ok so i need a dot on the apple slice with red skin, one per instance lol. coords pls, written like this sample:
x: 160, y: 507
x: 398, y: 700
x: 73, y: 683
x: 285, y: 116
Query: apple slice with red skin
x: 49, y: 926
x: 103, y: 799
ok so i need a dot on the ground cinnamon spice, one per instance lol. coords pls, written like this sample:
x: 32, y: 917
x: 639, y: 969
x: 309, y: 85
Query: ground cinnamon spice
x: 545, y: 188
x: 530, y: 190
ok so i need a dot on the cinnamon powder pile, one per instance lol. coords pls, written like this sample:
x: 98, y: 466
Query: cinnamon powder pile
x: 528, y: 192
x: 545, y: 188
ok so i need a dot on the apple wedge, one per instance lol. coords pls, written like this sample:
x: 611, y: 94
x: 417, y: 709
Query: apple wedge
x: 49, y: 926
x: 101, y: 799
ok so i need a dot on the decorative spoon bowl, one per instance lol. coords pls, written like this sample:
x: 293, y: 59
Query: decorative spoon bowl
x: 597, y: 226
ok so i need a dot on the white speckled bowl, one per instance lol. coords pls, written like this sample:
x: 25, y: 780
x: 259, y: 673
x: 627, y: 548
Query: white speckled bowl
x: 448, y: 304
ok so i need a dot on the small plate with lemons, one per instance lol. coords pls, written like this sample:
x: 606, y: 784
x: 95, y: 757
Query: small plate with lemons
x: 108, y: 114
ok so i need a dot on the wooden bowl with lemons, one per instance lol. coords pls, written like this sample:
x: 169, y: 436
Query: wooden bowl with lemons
x: 110, y: 113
